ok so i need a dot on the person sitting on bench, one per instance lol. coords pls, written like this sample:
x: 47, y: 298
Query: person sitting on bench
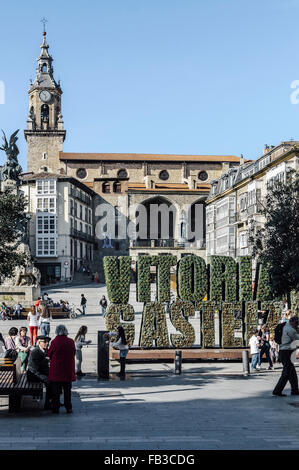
x: 38, y: 367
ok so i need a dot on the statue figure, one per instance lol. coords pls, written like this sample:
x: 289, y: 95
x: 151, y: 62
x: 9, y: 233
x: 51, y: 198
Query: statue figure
x: 27, y: 275
x: 11, y: 169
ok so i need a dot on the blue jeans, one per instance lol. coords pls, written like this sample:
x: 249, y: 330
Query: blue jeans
x: 83, y: 309
x: 104, y: 311
x: 123, y: 352
x: 254, y: 360
x: 265, y: 349
x: 45, y: 329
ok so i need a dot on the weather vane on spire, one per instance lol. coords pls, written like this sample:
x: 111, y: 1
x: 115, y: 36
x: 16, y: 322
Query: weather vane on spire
x: 44, y: 21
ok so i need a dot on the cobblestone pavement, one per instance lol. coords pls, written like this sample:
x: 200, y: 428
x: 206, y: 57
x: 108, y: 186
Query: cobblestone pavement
x: 209, y: 406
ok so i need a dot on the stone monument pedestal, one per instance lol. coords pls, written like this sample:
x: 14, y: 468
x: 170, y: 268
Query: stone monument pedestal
x: 26, y: 295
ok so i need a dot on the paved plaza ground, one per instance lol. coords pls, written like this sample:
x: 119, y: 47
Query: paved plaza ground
x: 209, y: 406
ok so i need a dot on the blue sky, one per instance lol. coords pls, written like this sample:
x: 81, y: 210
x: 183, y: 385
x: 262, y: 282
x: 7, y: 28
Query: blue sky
x: 158, y: 76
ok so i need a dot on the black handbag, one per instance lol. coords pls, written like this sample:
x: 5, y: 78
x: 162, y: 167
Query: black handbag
x: 11, y: 354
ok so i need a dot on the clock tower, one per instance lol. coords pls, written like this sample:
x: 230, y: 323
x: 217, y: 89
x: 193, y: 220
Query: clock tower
x: 44, y: 134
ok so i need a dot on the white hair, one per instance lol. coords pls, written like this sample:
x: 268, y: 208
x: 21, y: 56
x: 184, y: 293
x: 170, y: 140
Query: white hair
x: 61, y: 330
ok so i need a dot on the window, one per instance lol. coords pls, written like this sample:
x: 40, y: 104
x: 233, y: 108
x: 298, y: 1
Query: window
x: 75, y: 209
x: 203, y: 176
x: 117, y: 187
x: 46, y: 246
x: 81, y: 173
x: 122, y: 174
x: 81, y: 212
x: 106, y: 188
x: 46, y: 224
x: 44, y: 68
x: 44, y: 113
x: 46, y: 186
x: 44, y: 157
x: 164, y: 175
x: 46, y: 204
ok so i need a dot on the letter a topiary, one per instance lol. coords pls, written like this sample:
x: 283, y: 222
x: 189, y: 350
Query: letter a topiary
x: 192, y: 278
x: 179, y: 314
x: 223, y: 273
x: 154, y: 328
x: 118, y: 274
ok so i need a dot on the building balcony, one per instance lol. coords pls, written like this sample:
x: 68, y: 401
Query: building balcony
x: 169, y: 243
x: 82, y: 235
x: 80, y: 196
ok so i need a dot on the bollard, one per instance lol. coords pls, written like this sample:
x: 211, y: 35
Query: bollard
x: 245, y: 360
x: 178, y: 362
x: 103, y: 357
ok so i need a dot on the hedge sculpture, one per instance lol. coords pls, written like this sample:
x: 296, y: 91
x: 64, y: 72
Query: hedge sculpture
x: 118, y: 274
x: 179, y: 313
x: 231, y: 320
x: 192, y: 278
x: 245, y: 277
x: 163, y: 263
x: 251, y: 319
x: 208, y: 323
x: 125, y: 312
x: 154, y: 328
x: 263, y: 291
x: 143, y: 271
x: 275, y: 309
x: 223, y: 273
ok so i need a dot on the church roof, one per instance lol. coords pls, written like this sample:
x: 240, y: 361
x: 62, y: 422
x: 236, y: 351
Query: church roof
x: 146, y: 157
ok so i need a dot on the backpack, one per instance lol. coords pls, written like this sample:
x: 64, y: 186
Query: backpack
x: 278, y: 332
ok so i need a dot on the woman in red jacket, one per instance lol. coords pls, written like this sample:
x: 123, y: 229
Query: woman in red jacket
x: 62, y: 368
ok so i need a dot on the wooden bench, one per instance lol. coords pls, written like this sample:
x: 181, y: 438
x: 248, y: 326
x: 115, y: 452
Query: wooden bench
x: 54, y: 312
x: 15, y: 384
x: 58, y: 312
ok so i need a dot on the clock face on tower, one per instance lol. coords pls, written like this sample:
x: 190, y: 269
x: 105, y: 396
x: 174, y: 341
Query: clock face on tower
x: 45, y: 96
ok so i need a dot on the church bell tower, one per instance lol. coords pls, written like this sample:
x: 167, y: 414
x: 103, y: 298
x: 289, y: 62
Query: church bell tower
x: 44, y: 134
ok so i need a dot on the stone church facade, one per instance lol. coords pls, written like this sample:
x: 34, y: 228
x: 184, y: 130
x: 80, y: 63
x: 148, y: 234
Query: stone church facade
x: 168, y: 191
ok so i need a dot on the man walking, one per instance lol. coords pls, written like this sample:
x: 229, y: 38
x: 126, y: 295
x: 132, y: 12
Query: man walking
x: 83, y: 304
x: 289, y: 334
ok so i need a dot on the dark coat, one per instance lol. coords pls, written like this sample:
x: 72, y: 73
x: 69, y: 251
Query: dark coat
x: 62, y: 360
x: 38, y: 364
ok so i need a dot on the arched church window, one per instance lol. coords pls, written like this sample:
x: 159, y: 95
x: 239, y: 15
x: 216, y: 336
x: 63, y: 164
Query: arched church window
x: 122, y: 174
x: 44, y: 68
x: 45, y: 112
x: 117, y: 187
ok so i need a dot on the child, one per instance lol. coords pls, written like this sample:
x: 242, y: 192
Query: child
x: 79, y: 343
x: 273, y: 349
x: 254, y: 349
x: 121, y: 344
x: 83, y: 304
x: 3, y: 311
